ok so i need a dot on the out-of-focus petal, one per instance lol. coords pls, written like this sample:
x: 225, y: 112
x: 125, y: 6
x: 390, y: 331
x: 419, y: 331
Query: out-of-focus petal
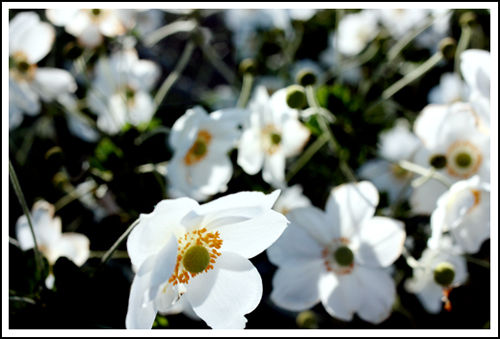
x: 379, y: 294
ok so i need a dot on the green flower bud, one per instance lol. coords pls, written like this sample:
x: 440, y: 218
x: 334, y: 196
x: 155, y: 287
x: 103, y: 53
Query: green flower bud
x: 468, y: 18
x: 296, y: 96
x: 438, y: 161
x: 306, y: 77
x: 248, y: 66
x: 444, y: 273
x: 448, y: 46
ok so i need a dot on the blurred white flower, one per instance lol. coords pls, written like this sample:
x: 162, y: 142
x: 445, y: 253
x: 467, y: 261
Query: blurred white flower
x: 454, y: 145
x: 424, y: 282
x: 147, y: 20
x: 400, y: 21
x: 120, y: 91
x: 273, y: 134
x: 356, y: 30
x: 200, y: 166
x: 199, y: 253
x: 30, y: 40
x: 90, y: 25
x: 396, y: 144
x: 291, y: 198
x: 51, y: 242
x: 338, y: 257
x: 451, y: 89
x: 464, y: 211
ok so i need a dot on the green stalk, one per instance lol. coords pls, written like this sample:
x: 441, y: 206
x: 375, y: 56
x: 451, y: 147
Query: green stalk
x: 462, y: 45
x: 306, y: 156
x: 245, y: 90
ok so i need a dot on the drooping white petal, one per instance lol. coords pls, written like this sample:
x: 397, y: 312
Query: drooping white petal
x: 73, y: 246
x: 379, y: 294
x: 154, y: 230
x: 351, y: 204
x: 296, y: 288
x: 381, y: 242
x: 225, y: 294
x: 340, y: 294
x: 141, y: 315
x: 53, y: 82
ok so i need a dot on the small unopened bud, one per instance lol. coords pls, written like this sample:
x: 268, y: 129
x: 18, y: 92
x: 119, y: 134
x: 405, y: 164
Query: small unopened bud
x: 468, y: 18
x: 306, y: 77
x: 248, y: 66
x: 448, y: 46
x: 307, y: 319
x: 296, y: 96
x: 444, y: 273
x: 438, y: 161
x: 55, y: 156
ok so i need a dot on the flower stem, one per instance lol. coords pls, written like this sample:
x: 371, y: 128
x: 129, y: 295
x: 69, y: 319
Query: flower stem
x: 245, y: 90
x: 407, y: 38
x: 426, y: 173
x: 17, y: 188
x: 462, y: 45
x: 73, y: 195
x: 306, y: 156
x: 476, y: 261
x: 219, y: 65
x: 172, y: 28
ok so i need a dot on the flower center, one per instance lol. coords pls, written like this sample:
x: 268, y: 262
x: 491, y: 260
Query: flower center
x: 344, y: 256
x: 444, y: 273
x: 197, y: 252
x: 464, y: 159
x: 96, y: 11
x: 275, y: 138
x: 199, y: 149
x: 271, y: 139
x: 438, y: 161
x: 21, y: 68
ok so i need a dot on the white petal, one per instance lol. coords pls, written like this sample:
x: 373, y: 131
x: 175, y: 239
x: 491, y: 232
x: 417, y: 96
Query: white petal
x: 90, y: 37
x: 250, y: 153
x: 111, y: 26
x: 23, y: 234
x: 185, y: 129
x: 225, y: 294
x: 424, y: 197
x: 36, y: 42
x: 142, y: 110
x: 212, y: 174
x: 18, y: 26
x: 294, y: 247
x: 273, y: 171
x: 382, y: 240
x: 47, y: 228
x: 351, y: 204
x: 315, y: 223
x: 429, y: 124
x: 140, y: 315
x: 294, y: 137
x: 163, y: 267
x: 145, y: 74
x: 475, y: 68
x: 430, y: 297
x: 61, y: 16
x: 53, y: 82
x: 154, y: 230
x: 296, y: 288
x: 16, y: 116
x: 379, y: 294
x: 24, y: 97
x: 73, y: 246
x: 341, y: 295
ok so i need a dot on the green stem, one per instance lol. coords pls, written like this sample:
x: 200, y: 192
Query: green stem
x: 426, y: 173
x: 17, y: 188
x: 306, y: 156
x: 73, y: 195
x: 476, y: 261
x: 462, y: 45
x: 245, y: 90
x: 220, y: 66
x: 407, y: 38
x: 172, y: 28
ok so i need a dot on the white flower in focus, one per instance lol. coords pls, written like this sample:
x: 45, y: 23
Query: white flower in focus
x: 290, y: 199
x: 356, y: 30
x: 30, y: 40
x: 51, y: 242
x: 273, y: 134
x: 199, y: 253
x: 396, y: 144
x: 400, y: 21
x: 433, y: 274
x: 464, y: 211
x: 200, y: 166
x: 120, y: 91
x: 451, y: 89
x: 454, y: 145
x: 90, y: 25
x: 339, y: 257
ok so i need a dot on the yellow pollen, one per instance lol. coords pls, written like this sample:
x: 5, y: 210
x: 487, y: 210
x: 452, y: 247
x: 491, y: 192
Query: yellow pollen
x: 477, y: 198
x: 199, y: 149
x: 197, y: 252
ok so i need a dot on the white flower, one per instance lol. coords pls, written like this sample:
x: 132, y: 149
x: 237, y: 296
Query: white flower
x: 273, y: 134
x: 199, y: 253
x: 89, y: 25
x: 396, y: 144
x: 454, y: 145
x: 464, y: 210
x: 51, y: 242
x: 30, y: 40
x: 356, y: 30
x: 338, y: 257
x: 200, y: 166
x: 451, y: 89
x: 291, y: 198
x: 424, y: 284
x: 400, y: 21
x: 120, y: 91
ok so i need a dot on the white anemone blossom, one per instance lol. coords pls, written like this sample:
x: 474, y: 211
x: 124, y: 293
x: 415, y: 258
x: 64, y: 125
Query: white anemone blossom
x: 338, y: 257
x: 273, y: 134
x: 120, y: 91
x: 396, y: 144
x: 436, y: 271
x: 291, y: 198
x: 200, y: 253
x: 356, y: 30
x: 90, y: 26
x: 464, y: 211
x: 454, y: 145
x: 30, y: 40
x: 50, y: 240
x: 200, y: 166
